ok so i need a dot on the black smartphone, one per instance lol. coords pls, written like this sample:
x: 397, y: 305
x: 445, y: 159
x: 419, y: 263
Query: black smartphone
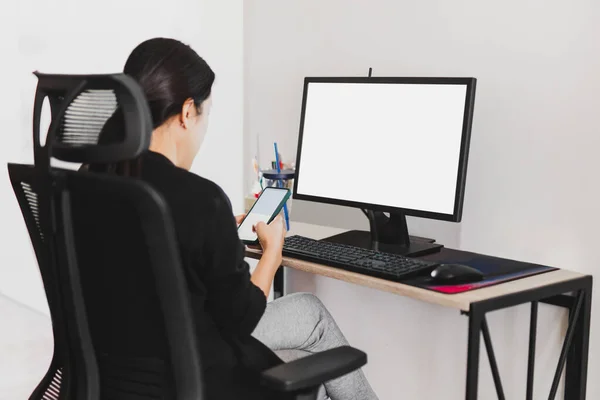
x: 265, y: 209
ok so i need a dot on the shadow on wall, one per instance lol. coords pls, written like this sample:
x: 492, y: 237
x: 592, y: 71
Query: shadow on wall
x: 447, y: 233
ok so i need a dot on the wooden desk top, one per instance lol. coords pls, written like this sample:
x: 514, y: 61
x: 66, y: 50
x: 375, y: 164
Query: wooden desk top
x: 461, y: 301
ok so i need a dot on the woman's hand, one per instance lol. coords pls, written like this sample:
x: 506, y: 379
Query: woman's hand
x: 239, y: 219
x: 271, y: 236
x: 271, y: 239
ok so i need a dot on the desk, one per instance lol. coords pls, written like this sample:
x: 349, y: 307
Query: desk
x: 560, y: 288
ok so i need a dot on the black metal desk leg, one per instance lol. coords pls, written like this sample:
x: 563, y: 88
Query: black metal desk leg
x: 574, y: 316
x: 475, y: 319
x: 577, y: 358
x: 279, y: 283
x: 487, y: 340
x: 531, y: 361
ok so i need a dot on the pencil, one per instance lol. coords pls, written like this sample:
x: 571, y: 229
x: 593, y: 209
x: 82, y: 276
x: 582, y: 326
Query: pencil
x: 280, y: 184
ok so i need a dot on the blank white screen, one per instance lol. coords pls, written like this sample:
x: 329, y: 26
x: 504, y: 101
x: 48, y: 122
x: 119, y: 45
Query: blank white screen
x: 393, y: 145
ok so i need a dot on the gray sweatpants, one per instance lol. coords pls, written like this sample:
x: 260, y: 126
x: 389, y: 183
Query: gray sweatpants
x: 298, y: 325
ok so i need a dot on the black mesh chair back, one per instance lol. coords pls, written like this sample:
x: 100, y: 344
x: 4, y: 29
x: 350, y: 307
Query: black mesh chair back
x: 28, y: 188
x: 101, y: 345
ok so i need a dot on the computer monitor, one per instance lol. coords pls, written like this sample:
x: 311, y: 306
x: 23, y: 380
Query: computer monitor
x: 386, y: 145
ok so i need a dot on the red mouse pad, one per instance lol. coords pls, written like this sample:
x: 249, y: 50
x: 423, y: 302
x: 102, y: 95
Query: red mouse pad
x: 495, y: 270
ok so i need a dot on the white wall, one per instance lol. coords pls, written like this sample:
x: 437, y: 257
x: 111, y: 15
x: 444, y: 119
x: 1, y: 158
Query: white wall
x: 532, y: 190
x: 65, y: 36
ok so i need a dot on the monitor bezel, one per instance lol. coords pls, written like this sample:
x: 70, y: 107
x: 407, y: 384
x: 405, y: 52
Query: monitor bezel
x: 456, y: 216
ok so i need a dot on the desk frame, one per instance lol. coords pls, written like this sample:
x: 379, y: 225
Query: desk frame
x: 575, y: 346
x: 560, y: 288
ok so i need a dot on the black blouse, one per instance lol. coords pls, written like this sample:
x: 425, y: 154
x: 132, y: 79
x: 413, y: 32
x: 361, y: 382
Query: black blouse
x: 226, y: 304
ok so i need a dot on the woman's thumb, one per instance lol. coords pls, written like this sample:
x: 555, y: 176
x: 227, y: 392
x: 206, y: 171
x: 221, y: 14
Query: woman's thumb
x: 258, y: 226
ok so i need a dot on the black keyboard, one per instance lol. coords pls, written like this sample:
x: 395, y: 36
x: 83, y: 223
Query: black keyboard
x: 388, y: 266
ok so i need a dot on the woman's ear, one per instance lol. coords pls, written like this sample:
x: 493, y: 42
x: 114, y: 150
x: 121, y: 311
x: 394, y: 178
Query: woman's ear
x: 188, y: 110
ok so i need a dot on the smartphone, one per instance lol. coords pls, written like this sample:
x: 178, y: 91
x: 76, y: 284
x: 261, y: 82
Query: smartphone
x: 265, y: 209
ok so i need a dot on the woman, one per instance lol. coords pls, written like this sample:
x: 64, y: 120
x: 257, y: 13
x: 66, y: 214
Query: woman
x: 238, y: 332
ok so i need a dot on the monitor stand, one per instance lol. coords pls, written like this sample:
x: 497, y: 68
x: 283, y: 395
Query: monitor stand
x: 388, y: 234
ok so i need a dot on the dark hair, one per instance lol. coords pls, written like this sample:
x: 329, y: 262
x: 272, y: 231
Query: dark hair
x: 169, y: 73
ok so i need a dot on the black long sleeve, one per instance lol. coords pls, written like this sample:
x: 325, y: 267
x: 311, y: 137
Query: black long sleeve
x: 227, y: 306
x: 235, y: 303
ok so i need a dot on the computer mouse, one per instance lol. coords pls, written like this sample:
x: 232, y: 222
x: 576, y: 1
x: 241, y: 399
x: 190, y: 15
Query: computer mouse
x: 451, y: 274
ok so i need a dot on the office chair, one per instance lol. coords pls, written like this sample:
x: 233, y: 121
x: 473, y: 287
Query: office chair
x: 87, y: 286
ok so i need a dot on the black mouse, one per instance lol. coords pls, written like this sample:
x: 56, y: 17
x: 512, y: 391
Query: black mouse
x: 452, y: 274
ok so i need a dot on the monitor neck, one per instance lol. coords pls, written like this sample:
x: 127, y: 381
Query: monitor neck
x: 387, y: 234
x: 391, y: 230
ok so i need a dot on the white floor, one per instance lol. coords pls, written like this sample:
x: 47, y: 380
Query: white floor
x: 25, y: 349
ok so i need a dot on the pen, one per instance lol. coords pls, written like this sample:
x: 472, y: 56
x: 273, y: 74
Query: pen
x: 279, y: 184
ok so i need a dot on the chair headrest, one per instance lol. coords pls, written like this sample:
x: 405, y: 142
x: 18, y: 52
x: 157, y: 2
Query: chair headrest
x: 83, y: 107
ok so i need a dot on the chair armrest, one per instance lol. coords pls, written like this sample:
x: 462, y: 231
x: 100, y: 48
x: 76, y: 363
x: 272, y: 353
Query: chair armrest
x: 313, y: 370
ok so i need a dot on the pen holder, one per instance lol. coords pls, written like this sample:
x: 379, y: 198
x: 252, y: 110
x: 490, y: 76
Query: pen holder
x: 283, y: 178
